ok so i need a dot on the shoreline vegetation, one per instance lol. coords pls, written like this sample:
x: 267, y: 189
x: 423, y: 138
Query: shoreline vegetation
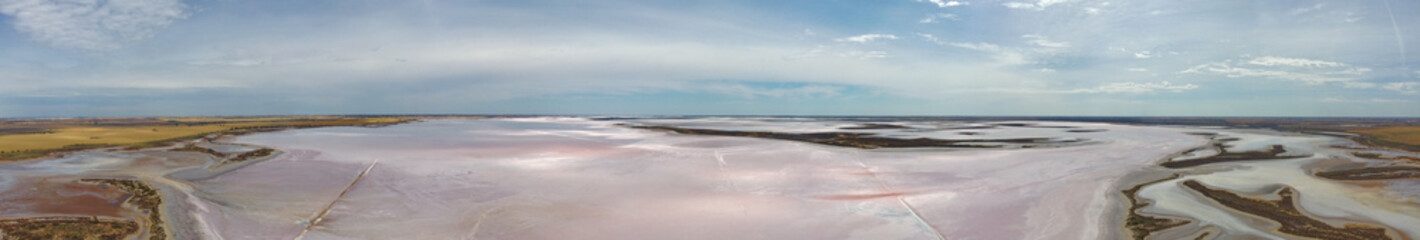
x: 68, y: 227
x: 1284, y: 211
x: 39, y: 138
x: 865, y: 140
x: 143, y: 198
x: 1141, y: 226
x: 59, y: 136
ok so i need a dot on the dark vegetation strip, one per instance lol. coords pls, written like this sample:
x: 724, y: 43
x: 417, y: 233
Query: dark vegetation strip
x: 1141, y: 226
x: 1375, y: 173
x: 1225, y: 156
x: 33, y: 154
x: 195, y: 148
x: 146, y: 199
x: 1285, y: 212
x: 869, y: 126
x: 254, y: 154
x: 1378, y: 156
x: 67, y: 228
x: 1370, y: 140
x: 858, y: 140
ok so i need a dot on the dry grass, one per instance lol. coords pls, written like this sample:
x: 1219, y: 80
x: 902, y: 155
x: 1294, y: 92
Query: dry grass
x: 1409, y: 135
x: 36, y: 138
x: 67, y: 228
x: 102, y: 135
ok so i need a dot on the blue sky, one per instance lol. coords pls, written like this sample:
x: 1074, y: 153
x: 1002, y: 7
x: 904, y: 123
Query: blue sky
x: 881, y: 57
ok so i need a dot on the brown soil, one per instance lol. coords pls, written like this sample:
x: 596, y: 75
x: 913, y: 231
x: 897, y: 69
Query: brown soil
x: 144, y: 198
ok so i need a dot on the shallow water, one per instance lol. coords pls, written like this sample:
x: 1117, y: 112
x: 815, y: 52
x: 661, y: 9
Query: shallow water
x: 573, y: 178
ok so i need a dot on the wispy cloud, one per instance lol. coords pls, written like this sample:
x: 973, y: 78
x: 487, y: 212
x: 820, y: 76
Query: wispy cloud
x: 1042, y: 41
x: 1402, y: 87
x: 1002, y: 55
x: 1039, y: 5
x: 750, y: 92
x: 1293, y: 62
x: 865, y: 54
x: 1035, y: 47
x: 92, y: 25
x: 944, y: 3
x: 1108, y: 88
x: 865, y: 38
x: 1294, y: 69
x: 1133, y: 87
x: 1370, y: 100
x: 935, y: 17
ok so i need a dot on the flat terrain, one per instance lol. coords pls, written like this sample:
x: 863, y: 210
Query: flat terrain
x: 1394, y: 135
x: 708, y: 178
x: 31, y: 138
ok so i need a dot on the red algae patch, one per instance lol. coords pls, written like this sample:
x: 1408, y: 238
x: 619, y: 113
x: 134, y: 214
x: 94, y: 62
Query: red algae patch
x: 61, y: 197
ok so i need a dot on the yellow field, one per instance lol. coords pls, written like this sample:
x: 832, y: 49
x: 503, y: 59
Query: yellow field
x: 1409, y: 135
x: 69, y: 132
x: 101, y: 135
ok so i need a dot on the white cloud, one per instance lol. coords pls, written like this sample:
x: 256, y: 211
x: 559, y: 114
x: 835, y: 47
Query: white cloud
x: 1372, y: 100
x: 812, y: 53
x: 1039, y: 5
x: 1137, y: 69
x: 1402, y: 87
x: 1113, y: 88
x: 1133, y: 87
x: 976, y: 46
x: 1363, y: 85
x: 1294, y: 69
x: 1293, y: 62
x: 1006, y: 56
x: 1045, y: 70
x: 1300, y: 11
x: 1038, y: 47
x: 934, y: 18
x: 1143, y: 55
x: 1092, y: 11
x: 1044, y: 42
x: 865, y: 54
x: 1240, y: 72
x: 942, y: 3
x: 1020, y: 5
x: 94, y: 24
x: 810, y: 91
x: 866, y: 38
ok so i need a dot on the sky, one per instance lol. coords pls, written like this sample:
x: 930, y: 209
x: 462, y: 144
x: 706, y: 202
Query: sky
x: 76, y: 58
